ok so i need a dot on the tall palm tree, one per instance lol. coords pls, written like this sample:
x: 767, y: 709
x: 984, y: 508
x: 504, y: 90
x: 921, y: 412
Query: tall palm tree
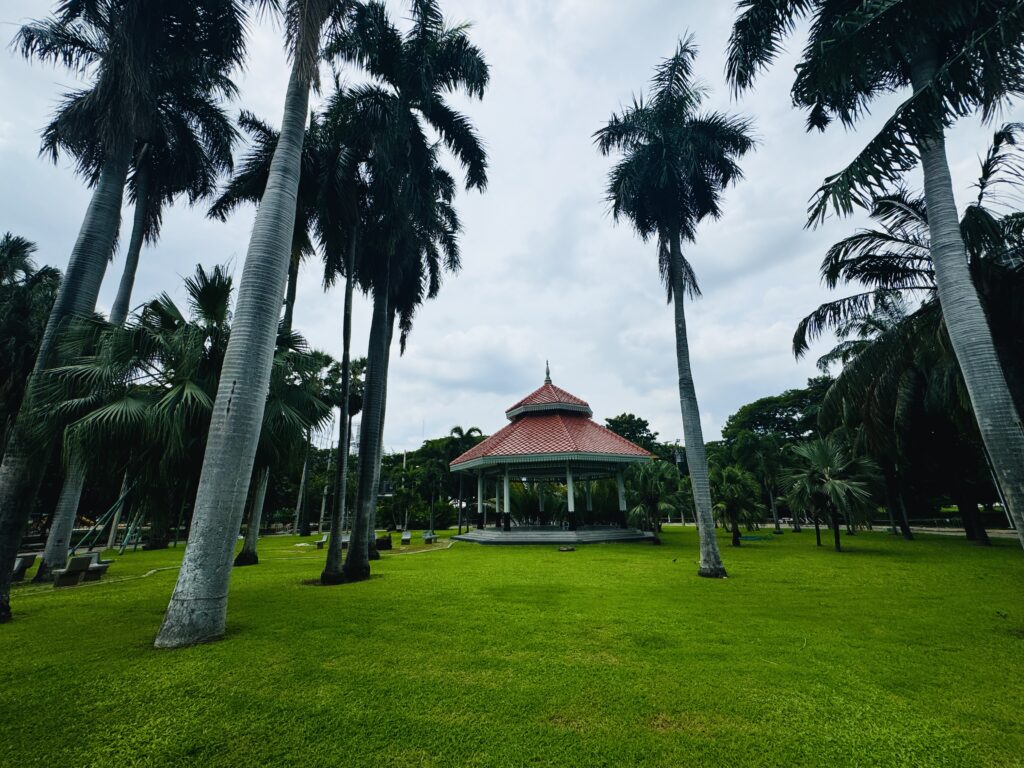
x: 198, y: 607
x: 129, y: 52
x: 957, y: 58
x: 675, y: 164
x: 414, y: 225
x: 829, y: 482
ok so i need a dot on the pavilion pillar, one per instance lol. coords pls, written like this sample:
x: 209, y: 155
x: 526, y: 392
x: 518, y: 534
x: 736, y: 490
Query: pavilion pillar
x: 461, y: 477
x: 590, y: 502
x: 508, y: 517
x: 571, y: 497
x: 480, y: 501
x: 622, y: 498
x: 497, y: 505
x: 540, y: 503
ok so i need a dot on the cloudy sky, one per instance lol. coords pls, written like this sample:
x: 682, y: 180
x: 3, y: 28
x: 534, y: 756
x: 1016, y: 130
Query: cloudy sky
x: 547, y: 274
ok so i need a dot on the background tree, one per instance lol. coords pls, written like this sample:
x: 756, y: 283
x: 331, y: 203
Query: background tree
x: 737, y: 492
x: 634, y: 429
x: 675, y: 164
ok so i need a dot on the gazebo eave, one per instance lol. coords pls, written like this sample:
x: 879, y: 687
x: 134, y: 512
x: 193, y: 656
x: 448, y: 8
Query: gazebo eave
x: 552, y: 462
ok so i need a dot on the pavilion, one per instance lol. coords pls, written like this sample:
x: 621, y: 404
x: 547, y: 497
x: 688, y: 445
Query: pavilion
x: 551, y: 438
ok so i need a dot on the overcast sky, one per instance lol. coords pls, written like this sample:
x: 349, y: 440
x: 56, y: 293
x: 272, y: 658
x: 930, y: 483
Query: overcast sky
x: 546, y: 273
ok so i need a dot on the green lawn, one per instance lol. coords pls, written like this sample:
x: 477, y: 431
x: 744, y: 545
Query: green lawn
x: 892, y: 653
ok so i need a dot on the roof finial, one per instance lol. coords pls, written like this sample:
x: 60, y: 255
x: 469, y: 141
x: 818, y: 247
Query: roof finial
x: 547, y: 372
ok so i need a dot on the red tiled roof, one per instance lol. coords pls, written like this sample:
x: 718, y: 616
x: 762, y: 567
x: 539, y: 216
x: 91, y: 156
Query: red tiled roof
x: 552, y: 432
x: 548, y: 393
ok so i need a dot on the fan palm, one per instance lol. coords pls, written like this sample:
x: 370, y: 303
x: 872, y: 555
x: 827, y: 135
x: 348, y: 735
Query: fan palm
x: 198, y: 607
x: 737, y: 491
x: 676, y: 161
x: 958, y: 58
x: 131, y: 53
x: 829, y: 482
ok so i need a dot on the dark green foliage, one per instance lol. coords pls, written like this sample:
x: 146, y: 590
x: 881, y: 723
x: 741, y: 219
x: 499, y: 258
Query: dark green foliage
x: 634, y: 429
x: 26, y: 295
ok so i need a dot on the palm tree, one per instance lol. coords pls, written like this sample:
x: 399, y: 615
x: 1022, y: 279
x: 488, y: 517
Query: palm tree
x: 957, y: 58
x: 893, y: 356
x: 652, y: 485
x: 26, y: 295
x: 130, y: 53
x: 761, y: 455
x: 676, y: 161
x: 737, y: 491
x: 829, y: 481
x: 413, y: 225
x: 198, y: 608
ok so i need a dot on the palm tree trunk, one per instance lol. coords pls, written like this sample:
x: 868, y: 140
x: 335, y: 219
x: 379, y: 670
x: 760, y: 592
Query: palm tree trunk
x: 696, y: 458
x: 817, y: 529
x: 775, y: 510
x: 966, y: 324
x: 734, y: 521
x: 198, y: 608
x: 58, y: 541
x: 835, y: 530
x: 372, y: 552
x: 76, y: 296
x: 119, y: 310
x: 301, y: 526
x: 248, y: 555
x: 332, y: 573
x: 289, y: 296
x: 357, y: 563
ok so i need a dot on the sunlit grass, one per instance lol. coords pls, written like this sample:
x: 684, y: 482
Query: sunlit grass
x: 891, y: 653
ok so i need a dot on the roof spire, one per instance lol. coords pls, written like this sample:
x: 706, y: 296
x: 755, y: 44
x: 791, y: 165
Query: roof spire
x: 547, y: 372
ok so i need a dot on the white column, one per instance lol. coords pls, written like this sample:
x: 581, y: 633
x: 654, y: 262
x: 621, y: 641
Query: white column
x: 480, y: 500
x: 497, y: 503
x: 622, y: 496
x: 571, y: 497
x: 507, y: 504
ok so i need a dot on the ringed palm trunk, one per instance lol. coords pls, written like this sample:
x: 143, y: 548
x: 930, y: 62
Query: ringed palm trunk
x: 119, y: 310
x: 198, y: 608
x: 696, y: 457
x: 301, y: 526
x: 248, y: 555
x: 332, y: 573
x: 58, y: 540
x: 357, y: 563
x: 371, y: 544
x: 775, y: 509
x: 966, y: 324
x: 76, y: 296
x: 289, y: 295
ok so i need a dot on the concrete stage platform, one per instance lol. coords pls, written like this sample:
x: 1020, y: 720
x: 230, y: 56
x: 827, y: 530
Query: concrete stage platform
x: 555, y: 535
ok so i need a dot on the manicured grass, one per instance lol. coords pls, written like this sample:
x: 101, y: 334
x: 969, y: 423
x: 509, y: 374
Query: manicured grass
x: 892, y: 653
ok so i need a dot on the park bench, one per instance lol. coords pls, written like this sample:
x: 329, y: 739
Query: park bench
x: 21, y: 565
x: 72, y: 574
x: 406, y: 538
x: 429, y: 537
x: 321, y: 541
x: 96, y: 568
